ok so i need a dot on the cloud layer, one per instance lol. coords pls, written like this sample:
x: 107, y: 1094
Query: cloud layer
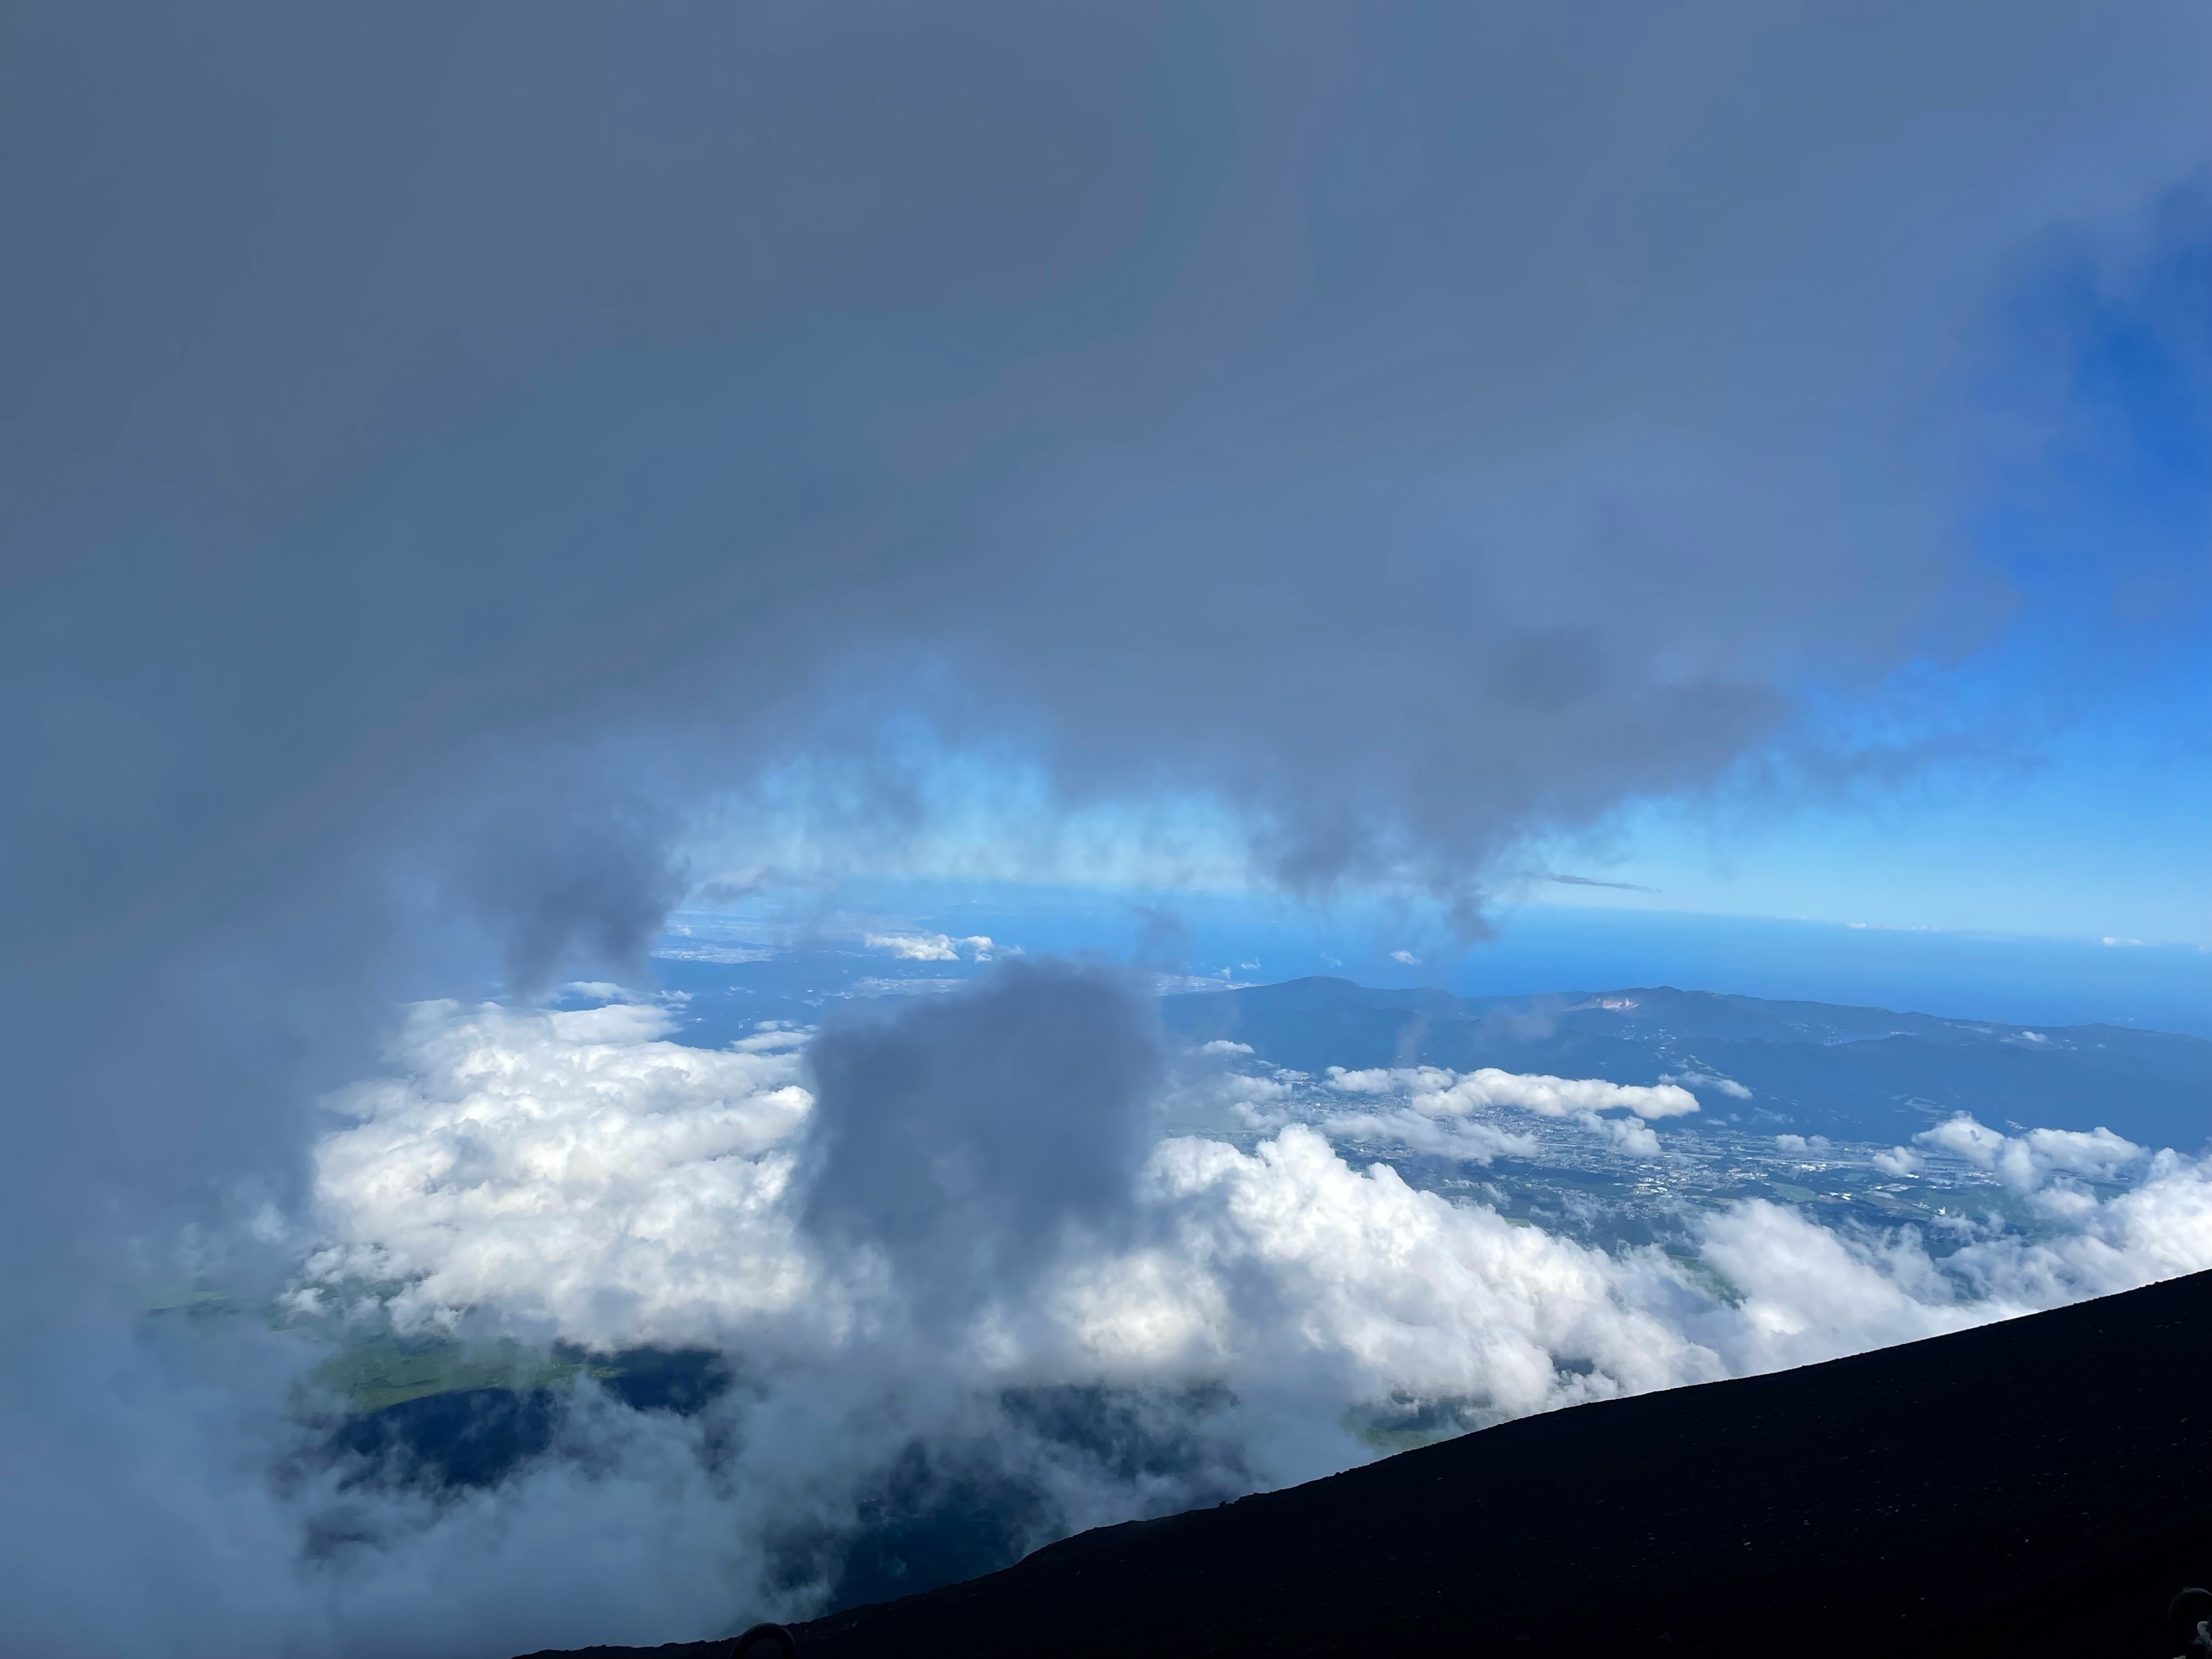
x: 578, y: 1175
x: 1405, y: 431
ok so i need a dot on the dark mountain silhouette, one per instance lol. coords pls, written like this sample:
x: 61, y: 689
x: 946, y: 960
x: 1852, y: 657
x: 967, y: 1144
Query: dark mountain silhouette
x: 1813, y: 1067
x: 447, y: 1437
x: 2039, y: 1487
x: 465, y: 1437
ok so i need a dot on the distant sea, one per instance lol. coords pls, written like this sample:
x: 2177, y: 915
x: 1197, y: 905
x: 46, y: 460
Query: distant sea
x: 1237, y: 939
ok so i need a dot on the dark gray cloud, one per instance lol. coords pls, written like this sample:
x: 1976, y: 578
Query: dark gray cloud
x: 1163, y: 940
x: 437, y: 447
x: 965, y: 1134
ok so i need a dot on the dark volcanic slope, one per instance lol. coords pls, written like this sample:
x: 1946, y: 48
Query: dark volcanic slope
x: 2038, y: 1486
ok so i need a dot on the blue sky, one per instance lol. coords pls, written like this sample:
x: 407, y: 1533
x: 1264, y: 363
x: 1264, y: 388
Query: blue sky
x: 2041, y: 768
x: 2082, y: 804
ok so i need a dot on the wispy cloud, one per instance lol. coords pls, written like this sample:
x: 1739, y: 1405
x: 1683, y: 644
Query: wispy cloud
x: 1592, y: 881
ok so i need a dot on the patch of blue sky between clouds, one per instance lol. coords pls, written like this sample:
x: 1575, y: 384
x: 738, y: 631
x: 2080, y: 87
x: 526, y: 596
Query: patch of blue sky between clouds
x: 2042, y: 769
x: 2052, y: 777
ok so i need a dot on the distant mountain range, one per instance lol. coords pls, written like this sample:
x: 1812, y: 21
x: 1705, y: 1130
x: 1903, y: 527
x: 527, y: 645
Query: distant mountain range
x: 1811, y: 1067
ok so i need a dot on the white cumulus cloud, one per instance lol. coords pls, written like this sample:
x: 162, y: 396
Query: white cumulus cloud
x: 573, y: 1170
x: 577, y: 1175
x: 1437, y: 1092
x: 2026, y: 1162
x: 1697, y: 1079
x: 934, y: 947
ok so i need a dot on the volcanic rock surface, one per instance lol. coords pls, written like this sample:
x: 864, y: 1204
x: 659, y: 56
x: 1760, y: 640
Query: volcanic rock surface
x: 2039, y: 1487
